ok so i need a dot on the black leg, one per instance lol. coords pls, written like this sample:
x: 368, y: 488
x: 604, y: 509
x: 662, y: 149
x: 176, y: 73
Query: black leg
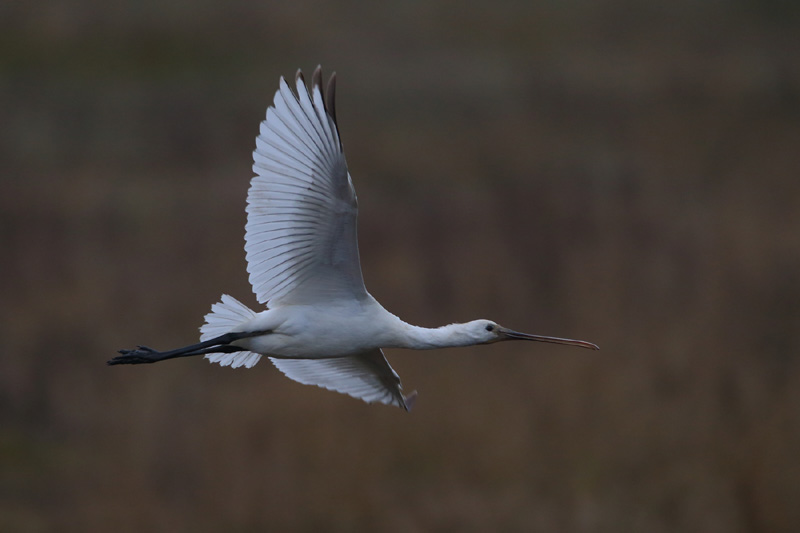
x: 221, y: 344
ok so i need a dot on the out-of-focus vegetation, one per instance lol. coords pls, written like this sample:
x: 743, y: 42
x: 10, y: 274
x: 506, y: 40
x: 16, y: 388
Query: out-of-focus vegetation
x: 618, y: 171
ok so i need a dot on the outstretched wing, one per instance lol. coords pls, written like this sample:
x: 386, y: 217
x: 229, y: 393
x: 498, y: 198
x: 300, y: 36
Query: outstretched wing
x: 300, y: 236
x: 366, y: 376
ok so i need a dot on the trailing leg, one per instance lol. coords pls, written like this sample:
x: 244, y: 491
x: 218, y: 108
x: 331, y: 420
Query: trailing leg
x: 221, y: 344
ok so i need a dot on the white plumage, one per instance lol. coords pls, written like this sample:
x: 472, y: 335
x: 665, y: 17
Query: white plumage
x: 301, y: 213
x: 321, y: 327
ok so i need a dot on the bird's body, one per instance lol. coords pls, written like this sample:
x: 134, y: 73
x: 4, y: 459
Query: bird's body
x: 344, y: 327
x: 321, y: 327
x: 340, y: 328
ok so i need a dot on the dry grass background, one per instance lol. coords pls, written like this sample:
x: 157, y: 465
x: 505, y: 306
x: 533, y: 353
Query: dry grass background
x: 618, y: 171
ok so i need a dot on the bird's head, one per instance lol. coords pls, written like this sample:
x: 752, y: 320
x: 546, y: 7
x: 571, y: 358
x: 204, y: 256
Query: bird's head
x: 487, y: 332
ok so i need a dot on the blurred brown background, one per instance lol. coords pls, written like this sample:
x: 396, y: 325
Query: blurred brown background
x: 617, y: 171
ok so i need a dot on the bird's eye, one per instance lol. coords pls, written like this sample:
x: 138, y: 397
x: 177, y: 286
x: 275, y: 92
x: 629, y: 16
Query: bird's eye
x: 490, y: 328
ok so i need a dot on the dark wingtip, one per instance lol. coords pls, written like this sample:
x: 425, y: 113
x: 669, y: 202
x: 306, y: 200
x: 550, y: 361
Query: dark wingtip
x: 316, y: 78
x: 409, y: 401
x: 316, y: 84
x: 298, y: 77
x: 330, y: 98
x: 329, y: 94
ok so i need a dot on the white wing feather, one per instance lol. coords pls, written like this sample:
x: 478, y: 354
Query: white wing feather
x: 300, y: 236
x: 366, y: 376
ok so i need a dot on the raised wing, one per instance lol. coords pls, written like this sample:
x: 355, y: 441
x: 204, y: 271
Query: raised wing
x: 366, y: 376
x: 300, y: 236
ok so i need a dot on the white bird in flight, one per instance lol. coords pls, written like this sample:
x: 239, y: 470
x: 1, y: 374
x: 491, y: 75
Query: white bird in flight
x: 321, y: 326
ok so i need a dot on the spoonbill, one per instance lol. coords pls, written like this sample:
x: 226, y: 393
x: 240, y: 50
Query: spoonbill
x: 321, y: 326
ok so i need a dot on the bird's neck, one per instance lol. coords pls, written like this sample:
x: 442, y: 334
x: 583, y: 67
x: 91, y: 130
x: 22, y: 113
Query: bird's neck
x: 419, y: 338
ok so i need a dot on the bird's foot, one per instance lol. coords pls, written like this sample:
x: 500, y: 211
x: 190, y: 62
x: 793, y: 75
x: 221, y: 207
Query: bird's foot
x: 141, y: 355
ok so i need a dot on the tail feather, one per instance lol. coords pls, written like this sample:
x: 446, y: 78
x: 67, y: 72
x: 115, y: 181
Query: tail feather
x: 224, y: 316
